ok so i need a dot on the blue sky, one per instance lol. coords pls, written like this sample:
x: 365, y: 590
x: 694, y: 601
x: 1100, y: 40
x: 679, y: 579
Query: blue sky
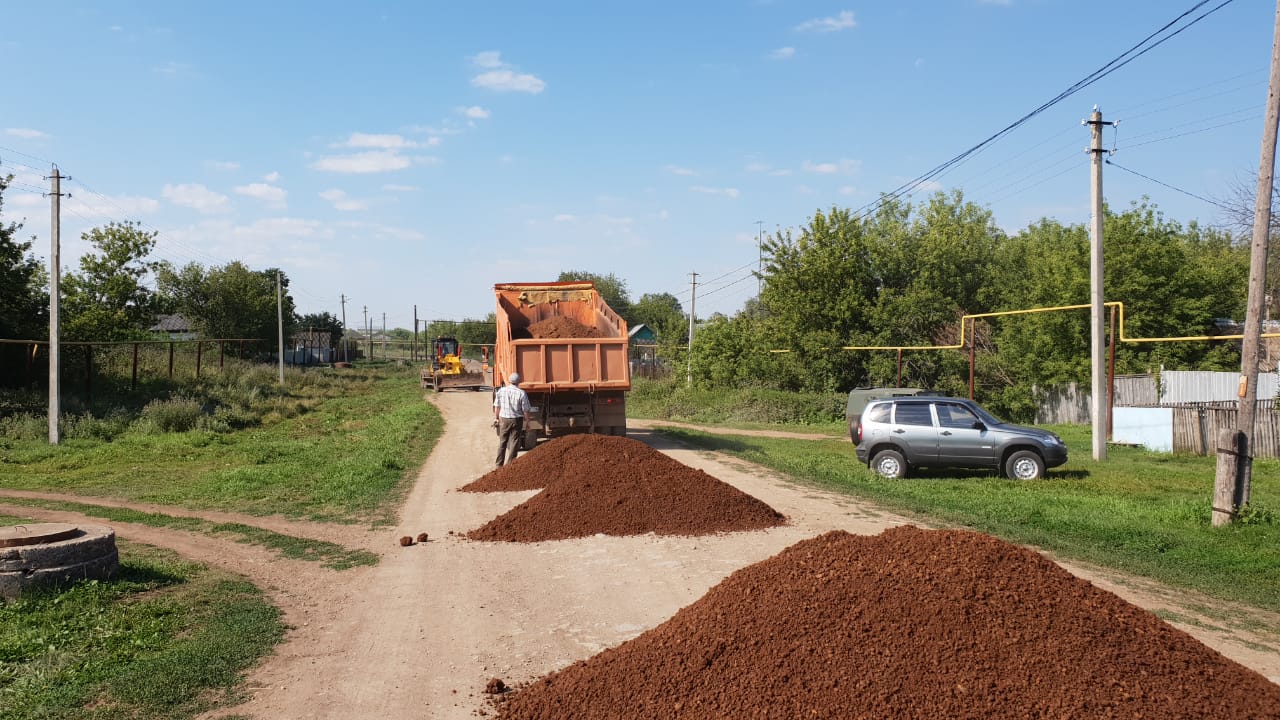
x: 407, y: 153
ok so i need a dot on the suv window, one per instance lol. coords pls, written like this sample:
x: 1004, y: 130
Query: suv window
x: 878, y: 413
x: 955, y: 416
x: 913, y: 414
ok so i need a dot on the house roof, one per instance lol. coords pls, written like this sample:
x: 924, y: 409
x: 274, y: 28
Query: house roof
x: 171, y: 323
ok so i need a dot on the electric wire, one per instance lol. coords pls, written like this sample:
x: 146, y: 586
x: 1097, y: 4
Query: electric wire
x: 1110, y: 67
x: 1214, y: 203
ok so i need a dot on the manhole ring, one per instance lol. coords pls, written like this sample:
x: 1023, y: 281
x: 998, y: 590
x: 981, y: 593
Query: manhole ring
x: 36, y: 534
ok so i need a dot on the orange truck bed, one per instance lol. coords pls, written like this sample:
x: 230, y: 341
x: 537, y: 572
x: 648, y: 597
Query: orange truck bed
x: 555, y: 364
x: 575, y: 384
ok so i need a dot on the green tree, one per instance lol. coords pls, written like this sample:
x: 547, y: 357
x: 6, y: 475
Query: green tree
x: 107, y: 299
x: 24, y: 301
x: 322, y: 322
x: 231, y: 301
x: 612, y: 288
x: 663, y: 314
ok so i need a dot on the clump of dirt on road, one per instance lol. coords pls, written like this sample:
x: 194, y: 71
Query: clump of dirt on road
x: 597, y: 484
x: 909, y: 623
x: 559, y: 326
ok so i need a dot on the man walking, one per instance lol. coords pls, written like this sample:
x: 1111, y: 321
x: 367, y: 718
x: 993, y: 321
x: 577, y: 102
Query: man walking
x: 511, y: 409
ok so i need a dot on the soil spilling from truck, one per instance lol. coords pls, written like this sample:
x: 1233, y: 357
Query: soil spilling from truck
x: 598, y: 484
x: 560, y: 326
x: 909, y: 623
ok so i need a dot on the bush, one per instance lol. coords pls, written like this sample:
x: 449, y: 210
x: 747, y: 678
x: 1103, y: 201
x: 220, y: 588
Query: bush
x: 177, y: 414
x: 107, y: 428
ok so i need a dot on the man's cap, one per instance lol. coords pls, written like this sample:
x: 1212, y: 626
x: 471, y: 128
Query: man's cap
x: 514, y: 379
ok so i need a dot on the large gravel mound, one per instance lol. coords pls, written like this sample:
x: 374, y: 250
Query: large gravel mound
x: 532, y: 470
x: 617, y: 486
x: 908, y: 624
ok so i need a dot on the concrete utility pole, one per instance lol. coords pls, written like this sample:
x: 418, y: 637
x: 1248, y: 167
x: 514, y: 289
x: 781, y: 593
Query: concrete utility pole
x: 345, y: 358
x: 413, y: 355
x: 1098, y: 320
x: 55, y: 291
x: 760, y: 257
x: 1240, y: 484
x: 367, y: 332
x: 693, y: 303
x: 280, y: 326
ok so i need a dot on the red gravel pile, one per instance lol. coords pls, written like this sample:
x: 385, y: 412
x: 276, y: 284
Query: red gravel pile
x: 559, y: 326
x: 617, y: 486
x: 908, y: 624
x: 534, y: 469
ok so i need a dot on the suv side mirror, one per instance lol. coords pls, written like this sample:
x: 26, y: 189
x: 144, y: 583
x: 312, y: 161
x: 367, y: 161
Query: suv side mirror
x: 979, y: 425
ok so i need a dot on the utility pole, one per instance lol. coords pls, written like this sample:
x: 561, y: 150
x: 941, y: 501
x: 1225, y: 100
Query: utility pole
x: 413, y: 356
x: 367, y: 333
x: 55, y: 290
x: 760, y: 258
x: 345, y: 357
x: 693, y: 304
x: 1248, y: 387
x: 1097, y: 318
x: 384, y: 336
x: 280, y: 326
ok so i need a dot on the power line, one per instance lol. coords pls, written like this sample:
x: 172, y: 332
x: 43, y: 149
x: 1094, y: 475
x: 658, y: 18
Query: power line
x: 1113, y: 65
x: 1191, y: 132
x: 1215, y: 203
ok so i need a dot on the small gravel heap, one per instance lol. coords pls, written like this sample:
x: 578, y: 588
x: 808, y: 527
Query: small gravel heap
x: 908, y: 624
x: 597, y: 484
x: 559, y: 326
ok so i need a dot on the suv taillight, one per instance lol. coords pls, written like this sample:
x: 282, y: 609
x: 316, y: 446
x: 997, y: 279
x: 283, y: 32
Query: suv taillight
x: 858, y: 440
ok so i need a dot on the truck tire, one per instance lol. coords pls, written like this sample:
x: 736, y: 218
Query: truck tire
x: 889, y: 464
x: 530, y: 440
x: 1024, y: 465
x: 618, y: 430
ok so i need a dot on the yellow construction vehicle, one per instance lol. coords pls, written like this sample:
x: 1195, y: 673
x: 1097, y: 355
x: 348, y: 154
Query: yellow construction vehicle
x: 449, y: 370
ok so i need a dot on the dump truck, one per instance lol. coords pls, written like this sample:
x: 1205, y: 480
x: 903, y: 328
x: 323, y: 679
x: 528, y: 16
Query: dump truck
x: 577, y: 381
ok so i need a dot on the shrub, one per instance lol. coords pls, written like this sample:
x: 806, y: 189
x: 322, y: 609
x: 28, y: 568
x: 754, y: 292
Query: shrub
x: 177, y: 414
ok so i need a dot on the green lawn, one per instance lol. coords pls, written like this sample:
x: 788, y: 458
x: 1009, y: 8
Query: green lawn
x: 164, y: 638
x: 1141, y: 512
x: 349, y: 454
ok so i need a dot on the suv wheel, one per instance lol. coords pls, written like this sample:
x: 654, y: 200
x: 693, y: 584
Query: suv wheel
x: 1024, y: 465
x: 889, y: 464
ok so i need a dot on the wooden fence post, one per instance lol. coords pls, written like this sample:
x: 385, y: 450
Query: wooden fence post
x: 133, y: 380
x: 170, y: 360
x: 1226, y: 483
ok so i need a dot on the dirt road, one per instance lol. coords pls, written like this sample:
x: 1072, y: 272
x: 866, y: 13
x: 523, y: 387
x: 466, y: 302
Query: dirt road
x: 420, y: 634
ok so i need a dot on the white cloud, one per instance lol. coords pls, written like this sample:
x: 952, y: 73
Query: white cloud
x: 783, y: 53
x: 502, y: 76
x: 383, y: 142
x: 831, y: 168
x: 475, y: 112
x: 223, y: 165
x: 26, y: 200
x: 488, y: 59
x: 780, y: 173
x: 565, y: 217
x: 928, y: 186
x: 843, y: 21
x: 270, y: 194
x: 341, y: 201
x: 26, y: 133
x: 848, y: 190
x: 677, y: 170
x: 508, y: 81
x: 400, y: 188
x: 365, y: 162
x: 271, y: 177
x: 726, y: 192
x: 195, y: 196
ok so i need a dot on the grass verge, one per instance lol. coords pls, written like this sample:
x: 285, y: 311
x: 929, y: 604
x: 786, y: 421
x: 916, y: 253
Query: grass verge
x: 165, y: 638
x: 1140, y: 512
x: 330, y: 555
x: 347, y: 451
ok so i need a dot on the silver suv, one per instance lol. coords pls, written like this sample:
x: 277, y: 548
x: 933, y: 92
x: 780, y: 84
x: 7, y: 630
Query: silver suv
x: 897, y: 434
